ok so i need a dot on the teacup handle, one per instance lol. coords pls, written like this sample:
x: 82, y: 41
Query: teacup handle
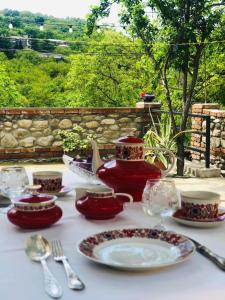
x: 171, y: 155
x: 131, y: 200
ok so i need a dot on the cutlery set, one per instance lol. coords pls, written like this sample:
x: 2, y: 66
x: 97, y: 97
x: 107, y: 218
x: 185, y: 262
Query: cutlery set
x: 39, y: 249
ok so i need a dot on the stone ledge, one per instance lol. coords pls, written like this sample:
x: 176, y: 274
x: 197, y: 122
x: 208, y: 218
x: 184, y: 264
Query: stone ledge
x: 197, y: 169
x: 205, y: 105
x: 54, y: 152
x: 146, y: 105
x: 79, y: 110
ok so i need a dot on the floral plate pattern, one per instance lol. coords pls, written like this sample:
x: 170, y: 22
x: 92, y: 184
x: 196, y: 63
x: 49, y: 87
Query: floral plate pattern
x: 136, y: 249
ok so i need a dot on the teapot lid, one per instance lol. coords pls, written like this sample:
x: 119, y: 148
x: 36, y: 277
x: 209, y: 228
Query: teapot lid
x: 129, y: 139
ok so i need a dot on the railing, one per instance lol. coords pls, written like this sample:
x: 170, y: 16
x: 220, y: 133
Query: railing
x: 205, y: 133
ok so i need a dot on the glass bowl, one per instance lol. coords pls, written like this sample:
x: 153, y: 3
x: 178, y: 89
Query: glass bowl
x: 82, y: 169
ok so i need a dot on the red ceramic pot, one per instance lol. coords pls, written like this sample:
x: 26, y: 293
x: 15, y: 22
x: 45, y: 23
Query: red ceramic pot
x: 101, y: 203
x: 34, y: 211
x: 129, y: 171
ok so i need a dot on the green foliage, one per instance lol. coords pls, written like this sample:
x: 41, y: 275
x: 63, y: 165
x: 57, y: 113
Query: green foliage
x: 109, y: 78
x: 27, y: 23
x: 181, y: 30
x: 211, y: 87
x: 40, y: 81
x: 173, y: 42
x: 109, y: 75
x: 161, y: 135
x: 75, y: 140
x: 9, y: 95
x: 114, y: 70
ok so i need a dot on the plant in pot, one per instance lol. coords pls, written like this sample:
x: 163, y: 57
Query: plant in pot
x: 161, y: 136
x: 77, y: 143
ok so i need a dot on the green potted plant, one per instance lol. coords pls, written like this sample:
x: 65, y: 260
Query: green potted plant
x: 77, y: 144
x: 161, y: 136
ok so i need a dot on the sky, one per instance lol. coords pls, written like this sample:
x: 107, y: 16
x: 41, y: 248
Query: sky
x: 57, y: 8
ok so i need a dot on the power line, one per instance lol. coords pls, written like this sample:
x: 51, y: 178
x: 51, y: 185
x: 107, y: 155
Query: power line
x: 77, y: 52
x: 64, y: 41
x: 108, y: 44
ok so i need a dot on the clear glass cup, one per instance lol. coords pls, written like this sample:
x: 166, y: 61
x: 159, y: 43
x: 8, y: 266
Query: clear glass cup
x: 160, y: 199
x: 13, y: 182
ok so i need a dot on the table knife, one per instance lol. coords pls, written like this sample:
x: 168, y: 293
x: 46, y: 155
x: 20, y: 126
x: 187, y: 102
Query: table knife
x: 215, y: 258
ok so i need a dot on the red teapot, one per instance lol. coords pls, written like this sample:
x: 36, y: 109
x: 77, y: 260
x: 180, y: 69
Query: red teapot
x: 129, y: 171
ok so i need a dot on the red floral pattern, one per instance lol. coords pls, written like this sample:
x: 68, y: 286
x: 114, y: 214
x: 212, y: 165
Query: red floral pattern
x: 126, y: 152
x: 185, y: 246
x: 49, y: 185
x: 33, y: 208
x: 195, y: 211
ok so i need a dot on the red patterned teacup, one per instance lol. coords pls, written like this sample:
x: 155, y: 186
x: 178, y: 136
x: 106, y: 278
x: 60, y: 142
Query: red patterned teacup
x: 50, y: 181
x: 200, y: 205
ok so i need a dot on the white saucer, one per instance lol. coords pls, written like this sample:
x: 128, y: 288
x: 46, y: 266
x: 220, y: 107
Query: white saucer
x: 64, y: 190
x: 201, y: 224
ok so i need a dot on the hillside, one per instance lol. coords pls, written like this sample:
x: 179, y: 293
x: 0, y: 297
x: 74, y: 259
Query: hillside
x: 19, y: 30
x: 55, y: 67
x: 51, y: 62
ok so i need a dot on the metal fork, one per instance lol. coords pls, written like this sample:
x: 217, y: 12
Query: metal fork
x: 73, y: 280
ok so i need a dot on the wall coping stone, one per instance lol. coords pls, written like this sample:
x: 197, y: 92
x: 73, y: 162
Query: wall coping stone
x: 206, y: 105
x: 105, y: 110
x: 147, y: 105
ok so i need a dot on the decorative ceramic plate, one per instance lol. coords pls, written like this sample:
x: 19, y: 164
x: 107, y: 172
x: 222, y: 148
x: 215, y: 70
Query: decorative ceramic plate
x: 137, y: 249
x: 178, y: 217
x: 64, y: 190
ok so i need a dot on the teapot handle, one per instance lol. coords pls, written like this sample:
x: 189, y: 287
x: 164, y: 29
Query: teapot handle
x: 131, y: 200
x: 171, y: 155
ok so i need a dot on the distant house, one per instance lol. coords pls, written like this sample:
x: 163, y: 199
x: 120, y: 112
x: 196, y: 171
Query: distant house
x: 59, y: 43
x: 56, y: 56
x: 23, y: 41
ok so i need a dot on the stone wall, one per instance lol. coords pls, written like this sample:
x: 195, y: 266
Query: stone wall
x: 217, y: 133
x: 33, y: 133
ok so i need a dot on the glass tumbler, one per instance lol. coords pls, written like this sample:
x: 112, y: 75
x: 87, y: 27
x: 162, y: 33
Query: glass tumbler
x: 13, y: 181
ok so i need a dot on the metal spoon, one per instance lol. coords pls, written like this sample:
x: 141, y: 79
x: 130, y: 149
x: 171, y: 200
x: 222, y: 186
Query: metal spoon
x: 38, y: 249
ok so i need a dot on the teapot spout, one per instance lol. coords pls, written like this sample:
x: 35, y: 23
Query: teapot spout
x: 96, y: 160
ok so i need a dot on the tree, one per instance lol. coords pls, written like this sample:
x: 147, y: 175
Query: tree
x: 110, y: 74
x: 211, y: 83
x: 9, y: 94
x: 40, y: 81
x: 180, y: 31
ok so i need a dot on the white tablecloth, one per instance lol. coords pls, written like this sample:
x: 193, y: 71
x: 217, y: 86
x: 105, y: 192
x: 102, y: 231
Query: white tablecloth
x: 21, y: 278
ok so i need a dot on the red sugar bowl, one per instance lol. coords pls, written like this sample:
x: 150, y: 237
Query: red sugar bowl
x: 34, y: 211
x: 100, y: 203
